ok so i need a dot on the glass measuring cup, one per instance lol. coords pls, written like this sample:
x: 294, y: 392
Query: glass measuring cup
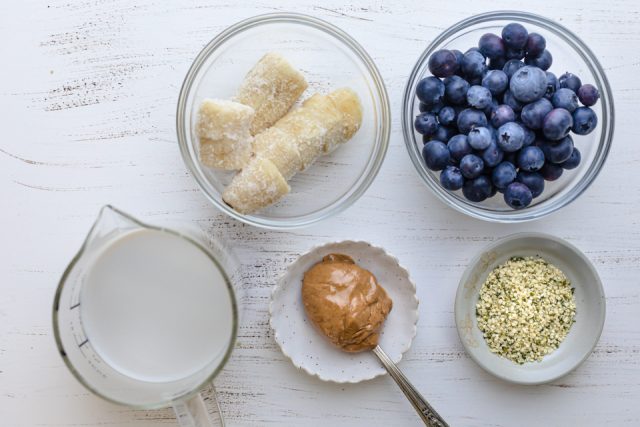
x: 85, y: 343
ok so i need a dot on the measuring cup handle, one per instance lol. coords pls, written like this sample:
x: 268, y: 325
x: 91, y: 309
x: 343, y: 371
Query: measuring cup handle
x: 194, y: 412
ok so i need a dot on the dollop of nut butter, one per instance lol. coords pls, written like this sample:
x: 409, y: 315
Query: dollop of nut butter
x: 345, y: 302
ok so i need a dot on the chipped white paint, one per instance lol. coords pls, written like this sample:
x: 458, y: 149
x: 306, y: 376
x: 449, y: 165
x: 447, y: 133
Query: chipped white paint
x: 87, y: 96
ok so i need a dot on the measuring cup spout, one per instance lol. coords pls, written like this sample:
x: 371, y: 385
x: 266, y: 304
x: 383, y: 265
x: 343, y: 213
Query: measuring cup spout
x: 110, y: 221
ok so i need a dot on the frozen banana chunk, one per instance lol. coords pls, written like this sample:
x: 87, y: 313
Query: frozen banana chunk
x: 271, y: 87
x: 348, y: 103
x: 256, y: 186
x: 219, y: 119
x: 317, y: 123
x: 225, y: 135
x: 225, y: 153
x: 321, y: 124
x: 277, y: 146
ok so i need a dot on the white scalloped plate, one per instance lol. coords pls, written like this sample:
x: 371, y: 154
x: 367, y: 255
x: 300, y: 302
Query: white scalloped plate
x: 312, y: 352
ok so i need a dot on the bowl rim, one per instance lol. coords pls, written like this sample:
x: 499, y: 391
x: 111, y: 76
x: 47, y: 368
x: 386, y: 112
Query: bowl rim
x: 519, y: 236
x: 281, y: 283
x: 550, y: 205
x: 378, y: 153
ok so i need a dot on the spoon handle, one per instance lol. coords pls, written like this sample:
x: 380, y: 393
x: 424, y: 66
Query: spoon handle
x: 426, y: 412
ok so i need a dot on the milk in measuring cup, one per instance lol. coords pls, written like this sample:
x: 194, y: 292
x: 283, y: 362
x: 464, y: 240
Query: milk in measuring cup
x: 155, y: 307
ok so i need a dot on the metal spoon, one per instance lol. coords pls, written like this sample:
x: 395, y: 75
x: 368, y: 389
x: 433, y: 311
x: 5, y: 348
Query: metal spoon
x: 429, y: 415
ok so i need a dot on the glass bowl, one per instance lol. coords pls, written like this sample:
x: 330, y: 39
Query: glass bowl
x: 569, y: 54
x: 329, y: 59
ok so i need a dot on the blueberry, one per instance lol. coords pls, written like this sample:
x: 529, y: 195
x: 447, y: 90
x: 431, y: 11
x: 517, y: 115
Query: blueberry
x: 426, y: 124
x: 528, y: 84
x: 451, y: 178
x: 588, y: 95
x: 470, y: 118
x: 497, y: 63
x: 444, y: 133
x: 492, y: 155
x: 489, y: 108
x: 533, y: 180
x: 431, y: 108
x: 573, y: 161
x: 502, y: 114
x: 511, y: 101
x: 551, y: 172
x: 543, y: 61
x: 503, y: 175
x: 480, y: 138
x: 430, y: 90
x: 456, y: 90
x: 479, y: 97
x: 436, y: 155
x: 447, y: 115
x: 536, y: 44
x: 557, y: 124
x: 459, y: 147
x: 511, y: 53
x: 515, y: 35
x: 460, y: 108
x: 473, y: 64
x: 570, y: 81
x: 477, y: 190
x: 529, y: 135
x: 496, y: 81
x: 443, y: 63
x: 530, y: 158
x: 557, y: 152
x: 474, y: 49
x: 510, y: 137
x: 491, y: 46
x: 552, y: 85
x: 518, y: 195
x: 459, y: 55
x: 511, y: 66
x: 584, y: 120
x: 533, y: 114
x: 471, y: 166
x: 565, y: 98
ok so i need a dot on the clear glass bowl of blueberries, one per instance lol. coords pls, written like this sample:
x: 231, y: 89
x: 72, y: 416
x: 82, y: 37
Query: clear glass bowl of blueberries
x: 508, y: 116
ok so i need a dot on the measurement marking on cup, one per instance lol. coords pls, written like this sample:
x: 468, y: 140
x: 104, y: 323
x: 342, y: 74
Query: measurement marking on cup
x: 74, y: 306
x: 83, y: 342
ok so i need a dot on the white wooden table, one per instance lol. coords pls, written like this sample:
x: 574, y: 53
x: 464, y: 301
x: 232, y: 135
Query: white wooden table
x: 88, y: 90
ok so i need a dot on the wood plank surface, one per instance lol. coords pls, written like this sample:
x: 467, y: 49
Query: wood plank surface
x: 88, y: 94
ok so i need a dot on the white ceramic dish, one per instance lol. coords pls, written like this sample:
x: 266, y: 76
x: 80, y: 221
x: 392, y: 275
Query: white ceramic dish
x: 312, y: 352
x: 590, y: 308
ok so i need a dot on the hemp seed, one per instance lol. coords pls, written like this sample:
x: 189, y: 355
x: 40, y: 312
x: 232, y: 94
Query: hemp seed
x: 526, y: 308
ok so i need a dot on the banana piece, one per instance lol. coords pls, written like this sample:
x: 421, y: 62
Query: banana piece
x: 348, y: 103
x: 276, y: 145
x: 321, y: 124
x: 318, y: 127
x: 224, y: 132
x: 315, y: 124
x: 220, y: 154
x: 257, y: 185
x: 271, y: 87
